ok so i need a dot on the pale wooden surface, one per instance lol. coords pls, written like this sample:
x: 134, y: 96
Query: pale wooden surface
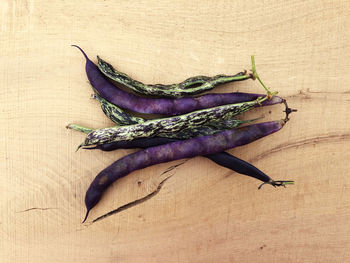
x: 204, y: 213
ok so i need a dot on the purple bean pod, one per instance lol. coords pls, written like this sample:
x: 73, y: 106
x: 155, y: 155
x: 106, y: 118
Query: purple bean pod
x: 197, y: 146
x: 164, y: 106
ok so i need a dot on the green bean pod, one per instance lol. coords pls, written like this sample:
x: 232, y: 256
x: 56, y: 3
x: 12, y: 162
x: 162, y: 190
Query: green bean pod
x: 116, y: 114
x: 120, y: 117
x: 186, y: 133
x: 170, y: 125
x: 190, y: 86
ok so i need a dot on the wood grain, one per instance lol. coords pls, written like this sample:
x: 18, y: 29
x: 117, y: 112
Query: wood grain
x: 203, y: 213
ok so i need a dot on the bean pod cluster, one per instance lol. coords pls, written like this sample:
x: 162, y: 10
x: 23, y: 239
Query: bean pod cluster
x: 201, y: 125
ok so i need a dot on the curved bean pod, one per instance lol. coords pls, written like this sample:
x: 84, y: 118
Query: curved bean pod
x: 190, y: 86
x: 173, y: 151
x: 116, y: 114
x: 163, y: 106
x: 223, y: 159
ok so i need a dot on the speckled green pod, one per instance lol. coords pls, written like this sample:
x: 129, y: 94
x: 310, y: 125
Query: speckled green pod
x: 169, y: 125
x: 190, y: 86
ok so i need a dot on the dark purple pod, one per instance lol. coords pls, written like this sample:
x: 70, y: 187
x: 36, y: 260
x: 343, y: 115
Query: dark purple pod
x: 164, y: 106
x: 223, y: 159
x: 198, y: 146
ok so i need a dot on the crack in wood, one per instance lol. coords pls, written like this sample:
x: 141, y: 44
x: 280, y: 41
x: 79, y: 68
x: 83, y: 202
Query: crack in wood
x: 135, y: 202
x: 287, y: 146
x: 36, y: 208
x: 306, y: 94
x: 313, y: 140
x: 138, y: 201
x: 173, y: 167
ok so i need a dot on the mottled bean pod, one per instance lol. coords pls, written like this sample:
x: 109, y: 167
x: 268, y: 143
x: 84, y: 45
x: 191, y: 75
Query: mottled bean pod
x: 170, y: 125
x: 121, y: 117
x: 190, y: 86
x: 165, y: 106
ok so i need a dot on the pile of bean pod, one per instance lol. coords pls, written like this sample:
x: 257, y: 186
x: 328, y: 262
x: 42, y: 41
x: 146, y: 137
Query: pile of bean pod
x: 191, y: 126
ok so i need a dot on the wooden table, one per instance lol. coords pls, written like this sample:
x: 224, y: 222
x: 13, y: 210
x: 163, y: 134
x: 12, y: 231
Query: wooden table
x: 203, y: 213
